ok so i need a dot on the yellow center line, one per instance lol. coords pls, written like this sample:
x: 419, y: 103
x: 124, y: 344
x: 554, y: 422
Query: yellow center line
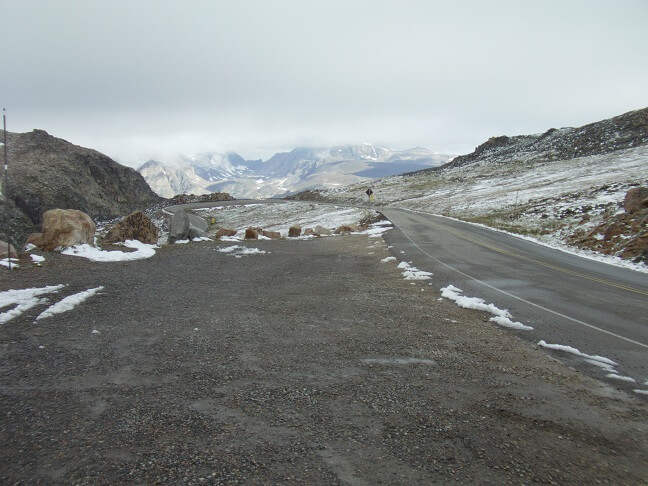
x: 533, y: 260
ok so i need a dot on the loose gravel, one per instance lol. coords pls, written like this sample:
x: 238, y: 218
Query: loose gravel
x: 314, y: 363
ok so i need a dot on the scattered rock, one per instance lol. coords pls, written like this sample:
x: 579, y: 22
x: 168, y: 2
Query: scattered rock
x: 294, y: 231
x: 309, y: 231
x: 135, y: 226
x: 321, y: 231
x: 615, y: 229
x: 225, y: 232
x: 4, y: 246
x: 636, y: 199
x: 273, y: 235
x: 66, y: 227
x: 251, y: 234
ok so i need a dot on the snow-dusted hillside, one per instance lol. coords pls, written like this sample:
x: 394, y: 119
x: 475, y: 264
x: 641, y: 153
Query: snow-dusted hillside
x: 536, y: 185
x: 284, y: 173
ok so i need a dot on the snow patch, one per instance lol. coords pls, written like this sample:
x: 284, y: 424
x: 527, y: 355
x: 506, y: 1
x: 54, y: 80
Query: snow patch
x: 239, y: 251
x: 413, y: 273
x: 4, y: 262
x: 501, y: 317
x: 143, y: 250
x: 37, y: 259
x: 68, y: 303
x: 23, y: 300
x: 569, y: 349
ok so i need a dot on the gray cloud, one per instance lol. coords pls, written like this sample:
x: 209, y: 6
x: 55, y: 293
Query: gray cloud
x: 143, y: 78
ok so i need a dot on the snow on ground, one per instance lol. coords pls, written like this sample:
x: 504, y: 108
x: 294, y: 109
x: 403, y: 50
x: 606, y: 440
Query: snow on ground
x: 602, y: 362
x: 501, y: 316
x: 546, y: 199
x: 142, y: 250
x: 37, y: 259
x: 413, y: 273
x: 572, y: 350
x: 21, y: 301
x: 376, y: 230
x: 68, y: 303
x: 281, y: 216
x: 241, y: 251
x: 184, y: 242
x: 4, y: 262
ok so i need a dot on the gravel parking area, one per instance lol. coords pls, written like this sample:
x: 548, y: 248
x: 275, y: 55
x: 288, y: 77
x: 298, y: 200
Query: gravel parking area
x: 311, y: 363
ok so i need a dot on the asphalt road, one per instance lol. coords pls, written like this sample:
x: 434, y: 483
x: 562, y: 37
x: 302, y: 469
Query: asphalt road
x: 598, y: 308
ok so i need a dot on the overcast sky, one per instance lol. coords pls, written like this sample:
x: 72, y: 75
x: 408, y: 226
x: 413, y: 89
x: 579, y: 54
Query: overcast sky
x: 149, y: 78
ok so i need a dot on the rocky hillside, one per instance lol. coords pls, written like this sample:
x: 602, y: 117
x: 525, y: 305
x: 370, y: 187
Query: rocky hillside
x: 621, y: 132
x: 46, y: 172
x: 565, y: 187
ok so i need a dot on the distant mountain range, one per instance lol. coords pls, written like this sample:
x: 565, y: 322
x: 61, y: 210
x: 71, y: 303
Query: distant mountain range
x: 284, y: 173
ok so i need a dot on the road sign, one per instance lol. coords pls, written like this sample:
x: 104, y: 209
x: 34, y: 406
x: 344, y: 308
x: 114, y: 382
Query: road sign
x: 369, y: 192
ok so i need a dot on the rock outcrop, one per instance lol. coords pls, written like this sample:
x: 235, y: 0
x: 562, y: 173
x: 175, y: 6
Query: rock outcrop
x: 135, y: 226
x: 636, y: 200
x: 66, y: 227
x: 46, y: 172
x: 621, y: 132
x: 622, y: 234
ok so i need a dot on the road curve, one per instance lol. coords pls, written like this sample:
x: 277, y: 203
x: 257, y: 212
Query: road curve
x: 597, y: 308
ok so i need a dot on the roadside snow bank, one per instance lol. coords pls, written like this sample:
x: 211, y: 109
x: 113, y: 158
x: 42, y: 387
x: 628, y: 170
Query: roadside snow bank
x: 502, y: 316
x: 413, y: 273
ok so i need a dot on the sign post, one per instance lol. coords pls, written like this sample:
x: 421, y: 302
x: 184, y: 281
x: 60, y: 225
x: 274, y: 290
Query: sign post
x: 6, y: 185
x: 369, y: 193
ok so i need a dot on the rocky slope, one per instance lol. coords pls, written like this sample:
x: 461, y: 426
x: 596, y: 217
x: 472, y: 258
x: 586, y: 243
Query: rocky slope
x: 564, y: 187
x: 621, y: 132
x: 46, y: 172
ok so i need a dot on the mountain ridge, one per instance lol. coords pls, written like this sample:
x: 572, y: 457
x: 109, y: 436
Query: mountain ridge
x: 285, y: 172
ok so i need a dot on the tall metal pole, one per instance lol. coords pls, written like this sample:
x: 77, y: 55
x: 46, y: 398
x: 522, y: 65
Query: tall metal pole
x: 6, y: 185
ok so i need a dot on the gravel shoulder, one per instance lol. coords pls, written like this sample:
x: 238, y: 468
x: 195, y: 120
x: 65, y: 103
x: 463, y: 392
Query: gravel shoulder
x: 314, y: 363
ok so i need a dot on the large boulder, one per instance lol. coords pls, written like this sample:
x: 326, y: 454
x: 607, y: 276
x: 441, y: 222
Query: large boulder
x: 636, y: 199
x: 66, y: 227
x: 135, y: 226
x: 185, y: 226
x: 294, y: 231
